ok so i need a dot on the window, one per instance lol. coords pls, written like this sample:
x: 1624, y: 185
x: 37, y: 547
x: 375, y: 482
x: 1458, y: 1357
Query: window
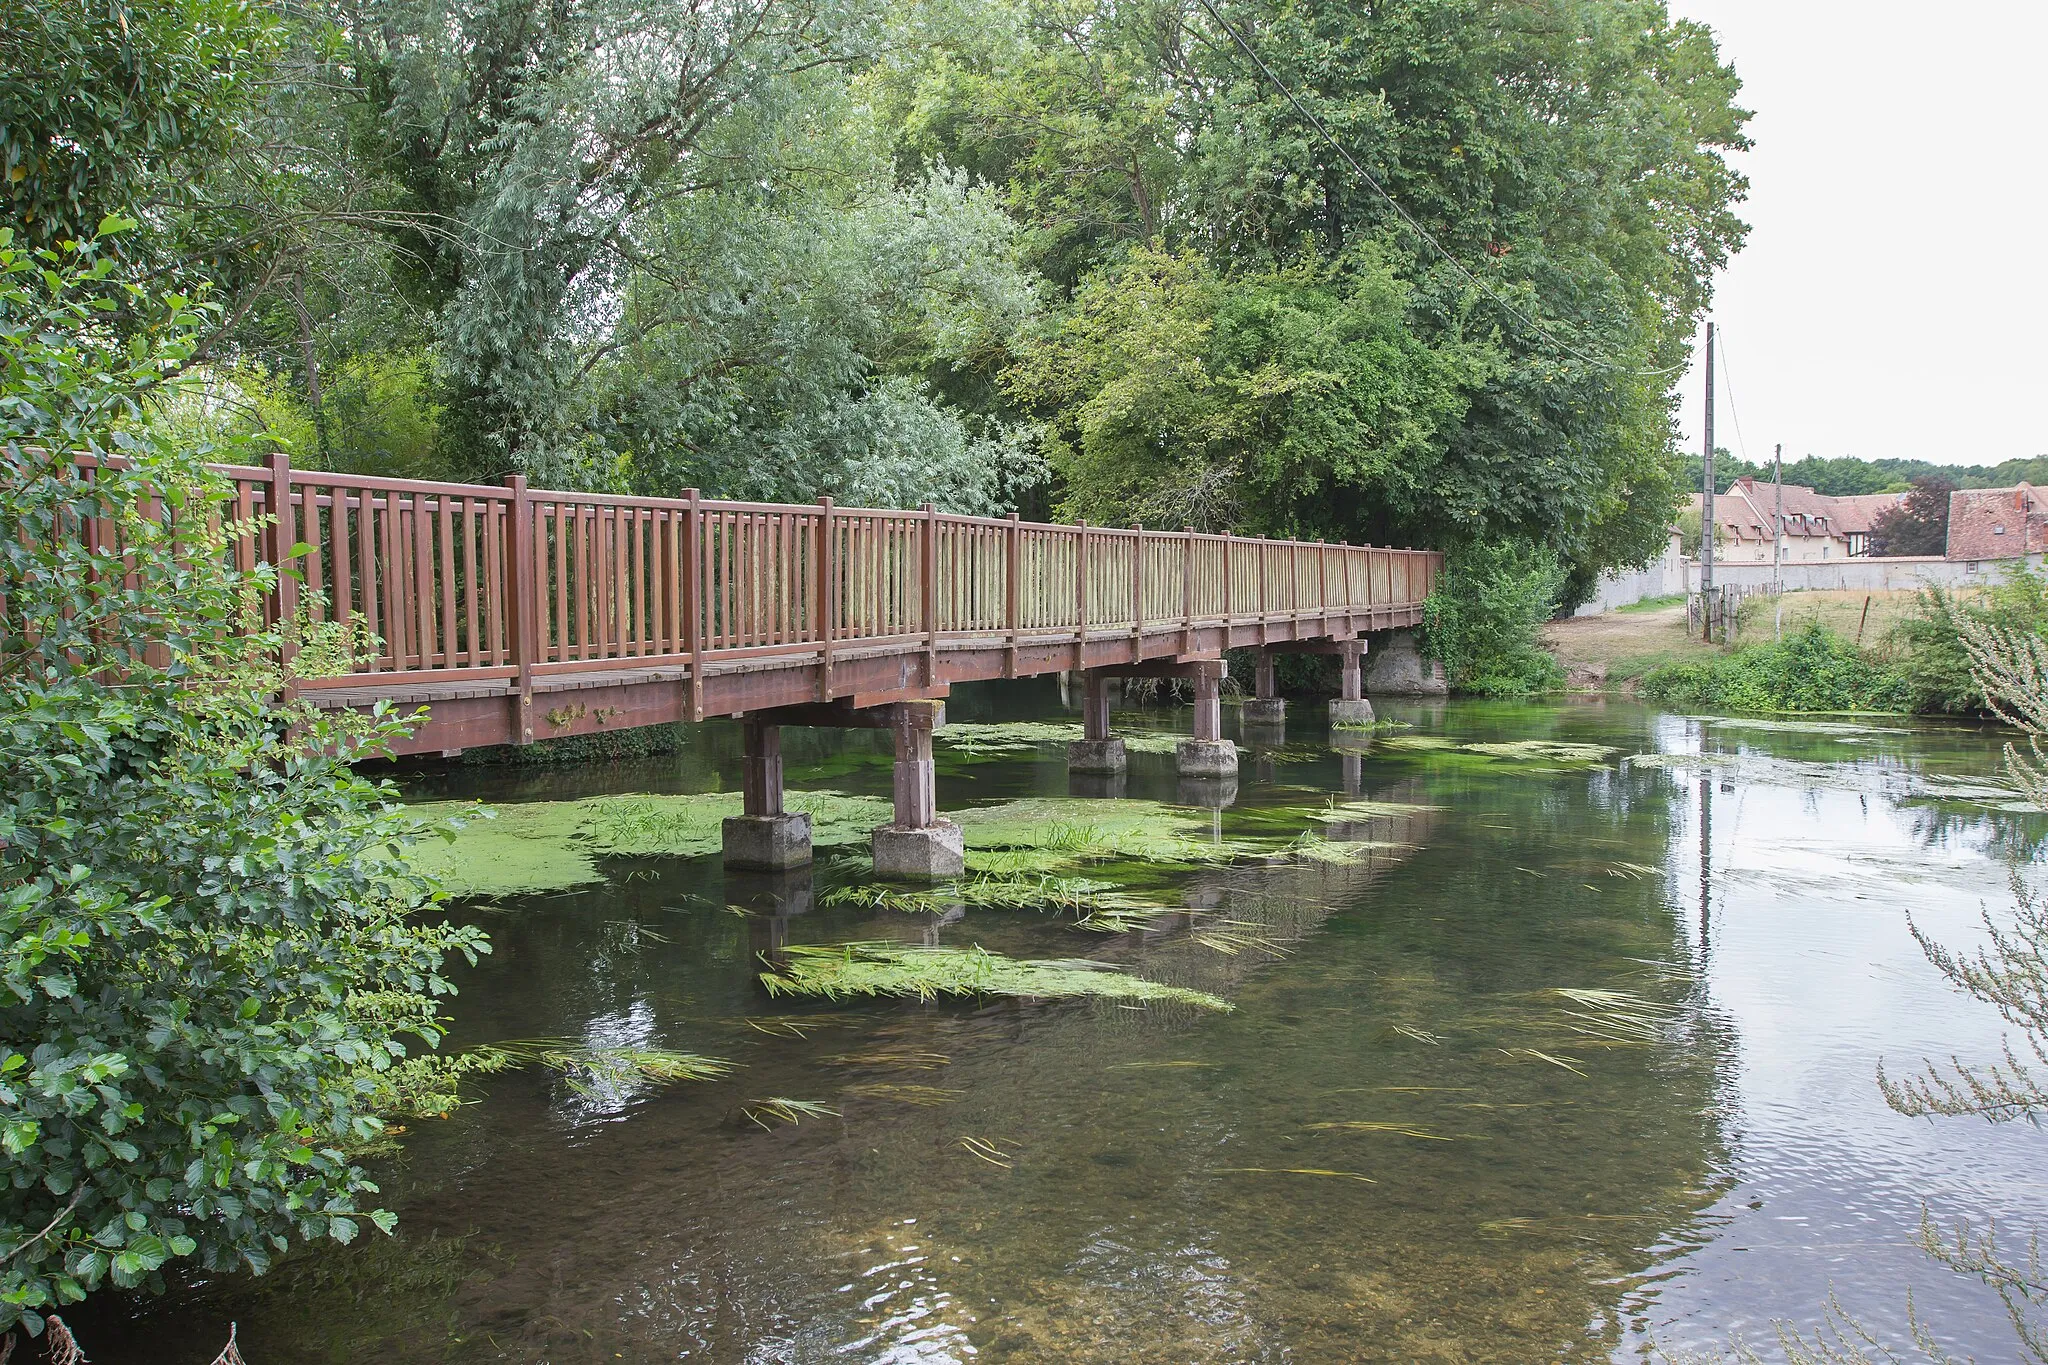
x: 1998, y: 530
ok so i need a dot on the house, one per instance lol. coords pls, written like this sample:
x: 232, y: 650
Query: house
x: 1816, y: 526
x: 1997, y: 523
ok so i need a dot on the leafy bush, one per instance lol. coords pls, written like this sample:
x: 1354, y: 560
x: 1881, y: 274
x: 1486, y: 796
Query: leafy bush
x: 209, y: 951
x: 1481, y: 620
x: 1934, y: 660
x: 1811, y: 670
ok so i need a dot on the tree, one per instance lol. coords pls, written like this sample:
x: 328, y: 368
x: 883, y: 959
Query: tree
x: 1917, y: 526
x: 212, y: 950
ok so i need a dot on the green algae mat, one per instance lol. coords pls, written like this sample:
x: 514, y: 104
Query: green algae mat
x: 845, y: 970
x: 539, y: 846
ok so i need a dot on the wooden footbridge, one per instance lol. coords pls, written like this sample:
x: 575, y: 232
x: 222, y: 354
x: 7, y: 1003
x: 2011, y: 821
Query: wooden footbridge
x: 515, y: 614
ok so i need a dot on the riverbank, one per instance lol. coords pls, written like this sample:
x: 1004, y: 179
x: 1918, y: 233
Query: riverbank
x: 1611, y: 652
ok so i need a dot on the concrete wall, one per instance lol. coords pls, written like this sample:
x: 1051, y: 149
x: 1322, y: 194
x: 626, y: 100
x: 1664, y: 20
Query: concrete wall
x: 1858, y: 575
x: 1665, y: 577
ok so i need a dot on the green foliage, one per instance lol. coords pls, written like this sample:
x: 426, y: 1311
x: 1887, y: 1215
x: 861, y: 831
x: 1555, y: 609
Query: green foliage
x: 1845, y: 475
x: 1283, y: 400
x: 210, y: 943
x: 1933, y: 656
x: 1481, y: 619
x: 104, y: 106
x: 1811, y: 670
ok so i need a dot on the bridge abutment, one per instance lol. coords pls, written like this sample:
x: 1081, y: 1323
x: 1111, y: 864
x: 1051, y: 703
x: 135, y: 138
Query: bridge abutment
x: 764, y: 837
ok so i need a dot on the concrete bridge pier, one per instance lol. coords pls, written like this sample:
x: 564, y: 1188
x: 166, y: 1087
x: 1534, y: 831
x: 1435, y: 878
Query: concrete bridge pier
x: 1208, y: 754
x: 918, y: 845
x: 1266, y: 706
x: 1097, y: 751
x: 1350, y: 709
x: 764, y: 837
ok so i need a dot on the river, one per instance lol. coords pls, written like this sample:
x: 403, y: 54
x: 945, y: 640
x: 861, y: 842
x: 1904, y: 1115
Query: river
x: 1567, y: 1057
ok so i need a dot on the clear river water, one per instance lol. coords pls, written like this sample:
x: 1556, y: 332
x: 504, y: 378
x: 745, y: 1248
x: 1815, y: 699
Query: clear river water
x: 1403, y: 1143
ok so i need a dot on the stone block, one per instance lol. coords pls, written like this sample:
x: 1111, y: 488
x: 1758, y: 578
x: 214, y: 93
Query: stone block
x: 1350, y: 715
x: 1096, y: 756
x: 1205, y: 758
x: 928, y: 853
x: 1263, y: 711
x: 767, y: 843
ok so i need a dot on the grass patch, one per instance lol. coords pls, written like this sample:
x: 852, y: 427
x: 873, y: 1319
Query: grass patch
x: 1676, y: 599
x: 847, y: 970
x: 1811, y: 670
x: 1059, y: 834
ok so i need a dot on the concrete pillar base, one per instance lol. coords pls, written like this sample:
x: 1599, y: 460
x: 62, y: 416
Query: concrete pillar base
x: 767, y: 843
x: 1263, y: 711
x: 1096, y: 756
x: 927, y: 853
x: 1205, y: 758
x: 1351, y: 715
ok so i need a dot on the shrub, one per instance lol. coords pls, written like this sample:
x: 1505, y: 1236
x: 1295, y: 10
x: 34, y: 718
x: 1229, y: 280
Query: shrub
x: 1810, y: 670
x: 1933, y: 658
x: 1481, y: 620
x: 208, y: 954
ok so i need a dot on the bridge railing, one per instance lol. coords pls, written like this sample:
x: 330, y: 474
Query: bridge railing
x: 465, y: 581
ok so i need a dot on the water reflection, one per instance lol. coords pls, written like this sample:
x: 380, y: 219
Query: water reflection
x: 1563, y: 1058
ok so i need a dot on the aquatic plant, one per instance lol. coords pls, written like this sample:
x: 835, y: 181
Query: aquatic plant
x: 1542, y: 753
x: 1050, y: 834
x: 841, y: 971
x: 1006, y: 739
x: 531, y: 847
x: 765, y: 1114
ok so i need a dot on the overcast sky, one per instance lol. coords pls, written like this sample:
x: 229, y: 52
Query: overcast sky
x: 1893, y: 298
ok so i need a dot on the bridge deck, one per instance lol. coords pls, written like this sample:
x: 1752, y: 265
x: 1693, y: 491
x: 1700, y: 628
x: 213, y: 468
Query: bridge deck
x: 516, y: 614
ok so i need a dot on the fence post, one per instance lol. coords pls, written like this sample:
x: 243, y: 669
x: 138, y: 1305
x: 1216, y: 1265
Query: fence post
x: 1138, y: 593
x: 1081, y: 596
x: 1013, y: 560
x: 1323, y: 583
x: 285, y: 595
x: 692, y: 590
x: 828, y: 597
x: 931, y: 595
x: 1187, y: 591
x: 1264, y: 611
x: 1229, y: 592
x: 521, y: 622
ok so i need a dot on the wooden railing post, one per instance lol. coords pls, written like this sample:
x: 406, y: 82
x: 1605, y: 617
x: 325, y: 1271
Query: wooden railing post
x: 521, y: 622
x: 1344, y: 548
x: 1264, y: 610
x: 1187, y: 591
x: 1081, y: 595
x: 1138, y: 593
x: 931, y: 594
x: 284, y: 597
x: 1013, y: 565
x: 692, y: 592
x: 828, y: 597
x: 1229, y: 590
x: 1323, y: 583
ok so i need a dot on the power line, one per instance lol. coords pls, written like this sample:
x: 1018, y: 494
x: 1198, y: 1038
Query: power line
x: 1407, y: 218
x: 1728, y: 383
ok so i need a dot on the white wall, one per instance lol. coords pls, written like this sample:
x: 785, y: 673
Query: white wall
x: 1665, y: 577
x: 1857, y: 575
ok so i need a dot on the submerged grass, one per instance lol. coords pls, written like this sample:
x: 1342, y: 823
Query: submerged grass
x: 1535, y: 754
x: 539, y: 846
x: 1007, y: 739
x: 847, y: 970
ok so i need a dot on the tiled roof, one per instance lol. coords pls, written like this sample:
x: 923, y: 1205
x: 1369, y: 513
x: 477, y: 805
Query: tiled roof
x: 1860, y: 512
x: 1997, y: 523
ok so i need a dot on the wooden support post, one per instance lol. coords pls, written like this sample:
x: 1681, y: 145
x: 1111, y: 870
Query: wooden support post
x: 1262, y: 687
x: 917, y: 845
x: 693, y: 595
x: 521, y: 592
x: 828, y: 597
x: 915, y: 789
x: 1351, y: 675
x: 1095, y: 705
x: 761, y: 768
x: 1209, y: 703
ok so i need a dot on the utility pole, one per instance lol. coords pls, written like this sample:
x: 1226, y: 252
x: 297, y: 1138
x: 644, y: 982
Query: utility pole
x: 1778, y: 542
x: 1707, y: 507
